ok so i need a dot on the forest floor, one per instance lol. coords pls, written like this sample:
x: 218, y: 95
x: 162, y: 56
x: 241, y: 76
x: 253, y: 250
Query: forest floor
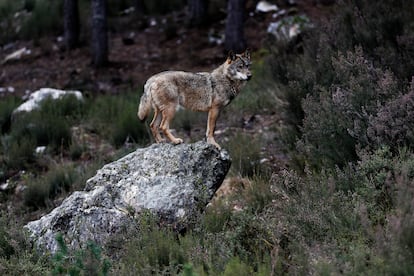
x: 136, y: 51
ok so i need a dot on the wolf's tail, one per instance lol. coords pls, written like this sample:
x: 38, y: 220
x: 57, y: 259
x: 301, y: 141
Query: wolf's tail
x: 145, y: 103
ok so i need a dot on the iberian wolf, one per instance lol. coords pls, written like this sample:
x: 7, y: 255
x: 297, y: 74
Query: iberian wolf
x: 205, y: 91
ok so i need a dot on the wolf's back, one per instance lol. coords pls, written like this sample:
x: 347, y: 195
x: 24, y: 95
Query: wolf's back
x: 145, y: 103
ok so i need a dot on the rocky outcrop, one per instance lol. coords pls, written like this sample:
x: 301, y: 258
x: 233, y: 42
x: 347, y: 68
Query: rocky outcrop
x: 173, y: 182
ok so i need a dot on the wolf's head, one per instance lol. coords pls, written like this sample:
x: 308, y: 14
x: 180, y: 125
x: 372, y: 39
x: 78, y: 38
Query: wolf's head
x: 238, y: 66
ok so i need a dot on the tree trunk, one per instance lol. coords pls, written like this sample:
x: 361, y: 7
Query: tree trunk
x: 139, y: 7
x: 234, y: 36
x: 99, y: 33
x: 71, y: 23
x: 198, y: 12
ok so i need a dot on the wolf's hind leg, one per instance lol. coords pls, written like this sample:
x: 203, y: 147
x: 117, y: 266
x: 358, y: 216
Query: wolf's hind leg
x: 167, y: 115
x: 155, y: 124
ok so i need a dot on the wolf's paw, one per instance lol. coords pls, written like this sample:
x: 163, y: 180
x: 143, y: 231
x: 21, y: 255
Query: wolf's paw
x: 177, y: 141
x: 213, y: 142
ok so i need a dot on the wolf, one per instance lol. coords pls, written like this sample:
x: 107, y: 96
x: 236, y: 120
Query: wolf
x: 208, y: 92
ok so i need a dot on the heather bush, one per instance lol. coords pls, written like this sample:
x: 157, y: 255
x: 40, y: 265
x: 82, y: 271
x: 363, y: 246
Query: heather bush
x: 388, y: 192
x: 335, y: 78
x: 383, y: 170
x: 384, y: 38
x: 359, y: 90
x: 354, y: 220
x: 310, y: 222
x: 399, y: 247
x: 393, y: 124
x: 337, y: 118
x: 325, y: 140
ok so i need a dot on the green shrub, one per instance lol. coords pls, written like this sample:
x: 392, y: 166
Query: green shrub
x: 128, y: 129
x: 37, y: 194
x: 45, y: 19
x: 211, y: 249
x: 153, y: 249
x: 76, y: 151
x: 68, y: 107
x: 258, y: 195
x: 236, y: 267
x: 18, y: 152
x: 245, y: 154
x: 7, y: 105
x: 49, y: 125
x: 43, y: 190
x: 47, y: 129
x: 115, y: 117
x: 16, y: 253
x: 216, y: 218
x: 8, y: 21
x: 88, y: 261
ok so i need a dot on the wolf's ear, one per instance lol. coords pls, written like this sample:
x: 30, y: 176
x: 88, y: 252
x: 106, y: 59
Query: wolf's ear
x: 246, y: 53
x: 231, y: 57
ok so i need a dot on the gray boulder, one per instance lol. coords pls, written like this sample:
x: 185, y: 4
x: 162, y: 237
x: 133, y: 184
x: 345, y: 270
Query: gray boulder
x: 173, y: 182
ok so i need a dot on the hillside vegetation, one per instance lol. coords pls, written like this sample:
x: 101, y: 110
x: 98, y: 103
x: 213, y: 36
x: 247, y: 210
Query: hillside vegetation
x: 339, y: 202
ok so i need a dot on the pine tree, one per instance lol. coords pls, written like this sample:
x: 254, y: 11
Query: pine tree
x: 71, y: 23
x: 234, y: 33
x: 99, y: 33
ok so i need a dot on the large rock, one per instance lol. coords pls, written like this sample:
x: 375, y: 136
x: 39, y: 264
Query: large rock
x: 37, y: 97
x: 173, y: 182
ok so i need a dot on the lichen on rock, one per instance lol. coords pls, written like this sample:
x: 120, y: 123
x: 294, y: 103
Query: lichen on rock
x: 172, y: 182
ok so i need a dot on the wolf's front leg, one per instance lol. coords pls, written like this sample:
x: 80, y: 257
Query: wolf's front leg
x: 211, y: 125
